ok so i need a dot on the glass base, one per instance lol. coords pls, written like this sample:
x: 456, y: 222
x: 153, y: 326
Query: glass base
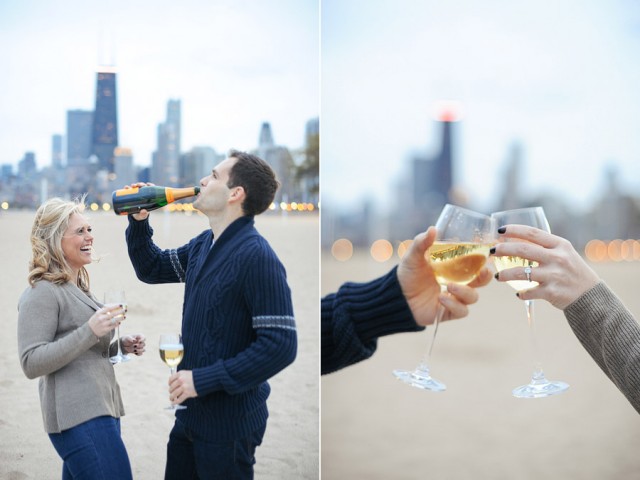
x: 119, y: 359
x: 420, y: 378
x: 540, y: 389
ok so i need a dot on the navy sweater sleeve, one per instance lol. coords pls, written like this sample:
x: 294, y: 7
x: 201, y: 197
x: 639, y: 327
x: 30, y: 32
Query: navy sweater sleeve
x: 355, y: 316
x: 268, y: 298
x: 151, y: 264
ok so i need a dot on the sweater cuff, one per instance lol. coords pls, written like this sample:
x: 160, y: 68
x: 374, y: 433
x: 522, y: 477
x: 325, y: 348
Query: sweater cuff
x: 594, y: 298
x: 208, y: 380
x: 138, y: 229
x: 86, y: 337
x: 379, y: 308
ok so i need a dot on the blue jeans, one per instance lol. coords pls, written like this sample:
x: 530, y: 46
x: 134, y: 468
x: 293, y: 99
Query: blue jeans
x: 93, y: 450
x: 190, y: 457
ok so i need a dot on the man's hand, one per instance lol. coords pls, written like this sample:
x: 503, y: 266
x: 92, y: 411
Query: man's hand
x: 181, y: 386
x: 143, y: 214
x: 422, y: 291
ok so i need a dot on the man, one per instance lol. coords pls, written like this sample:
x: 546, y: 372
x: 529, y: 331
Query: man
x: 238, y: 326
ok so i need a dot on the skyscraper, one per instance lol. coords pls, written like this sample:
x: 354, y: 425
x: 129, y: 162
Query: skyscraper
x: 197, y: 163
x: 79, y: 148
x: 165, y: 159
x: 56, y: 151
x: 429, y: 187
x: 79, y: 127
x: 105, y: 119
x: 124, y: 169
x: 280, y: 160
x: 27, y: 166
x: 266, y: 137
x: 512, y: 181
x: 432, y: 179
x: 173, y: 118
x: 442, y: 180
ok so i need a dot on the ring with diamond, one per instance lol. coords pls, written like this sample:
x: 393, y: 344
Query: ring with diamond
x: 527, y: 271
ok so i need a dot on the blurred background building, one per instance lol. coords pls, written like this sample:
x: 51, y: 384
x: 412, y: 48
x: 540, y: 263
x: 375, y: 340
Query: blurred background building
x: 431, y: 183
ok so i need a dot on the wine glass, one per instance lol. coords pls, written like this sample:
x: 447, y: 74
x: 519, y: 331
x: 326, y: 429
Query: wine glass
x: 539, y: 386
x: 117, y: 297
x: 461, y: 248
x: 171, y: 353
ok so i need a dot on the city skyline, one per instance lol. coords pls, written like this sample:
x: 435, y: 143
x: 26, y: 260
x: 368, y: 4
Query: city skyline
x: 233, y: 66
x: 559, y: 79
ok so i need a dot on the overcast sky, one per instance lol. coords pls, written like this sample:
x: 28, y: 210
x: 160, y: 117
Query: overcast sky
x: 559, y: 77
x: 562, y: 77
x: 233, y: 63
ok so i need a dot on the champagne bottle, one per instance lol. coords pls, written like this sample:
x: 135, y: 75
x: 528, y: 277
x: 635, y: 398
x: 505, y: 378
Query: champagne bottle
x: 131, y: 200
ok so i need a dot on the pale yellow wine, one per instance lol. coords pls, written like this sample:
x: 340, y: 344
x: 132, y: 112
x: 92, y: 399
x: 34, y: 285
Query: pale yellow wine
x: 458, y: 262
x: 502, y: 263
x: 171, y: 354
x: 120, y: 318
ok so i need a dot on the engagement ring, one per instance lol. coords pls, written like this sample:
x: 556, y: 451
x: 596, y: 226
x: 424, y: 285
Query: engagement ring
x: 527, y: 271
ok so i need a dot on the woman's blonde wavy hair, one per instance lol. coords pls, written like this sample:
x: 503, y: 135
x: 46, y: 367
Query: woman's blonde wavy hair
x: 47, y: 261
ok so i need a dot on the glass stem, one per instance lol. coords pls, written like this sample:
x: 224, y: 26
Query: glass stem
x: 424, y: 365
x: 118, y: 340
x: 538, y: 374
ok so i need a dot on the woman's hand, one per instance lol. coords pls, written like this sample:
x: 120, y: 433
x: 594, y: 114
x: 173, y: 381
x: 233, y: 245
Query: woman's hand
x: 135, y: 344
x: 106, y: 319
x: 562, y: 274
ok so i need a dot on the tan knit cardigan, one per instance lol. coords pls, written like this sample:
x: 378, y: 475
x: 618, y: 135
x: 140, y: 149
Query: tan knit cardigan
x: 611, y: 335
x: 77, y: 381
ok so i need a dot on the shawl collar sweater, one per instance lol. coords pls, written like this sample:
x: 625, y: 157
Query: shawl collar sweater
x: 238, y: 327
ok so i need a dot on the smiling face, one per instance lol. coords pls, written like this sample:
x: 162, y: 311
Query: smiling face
x: 77, y: 242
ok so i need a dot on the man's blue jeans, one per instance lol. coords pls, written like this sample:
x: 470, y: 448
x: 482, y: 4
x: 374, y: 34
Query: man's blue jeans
x: 93, y: 450
x: 190, y: 457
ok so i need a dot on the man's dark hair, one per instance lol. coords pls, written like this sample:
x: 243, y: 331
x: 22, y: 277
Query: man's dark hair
x: 257, y: 178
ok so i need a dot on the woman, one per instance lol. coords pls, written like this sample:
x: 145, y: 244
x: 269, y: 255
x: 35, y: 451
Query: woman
x: 604, y: 326
x: 64, y: 337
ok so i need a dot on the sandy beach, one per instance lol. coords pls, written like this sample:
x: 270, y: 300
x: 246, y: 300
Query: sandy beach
x: 375, y: 427
x: 290, y: 448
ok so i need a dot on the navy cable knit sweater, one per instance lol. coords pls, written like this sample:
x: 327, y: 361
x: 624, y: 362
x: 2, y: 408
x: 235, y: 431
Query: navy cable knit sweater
x: 238, y: 327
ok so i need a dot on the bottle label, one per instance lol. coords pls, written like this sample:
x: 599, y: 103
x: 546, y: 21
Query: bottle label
x: 126, y: 191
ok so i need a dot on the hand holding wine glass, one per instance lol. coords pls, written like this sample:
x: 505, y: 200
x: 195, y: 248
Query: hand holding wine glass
x: 539, y: 386
x: 105, y: 320
x: 171, y: 353
x: 463, y: 241
x: 562, y: 274
x: 422, y: 291
x: 117, y: 297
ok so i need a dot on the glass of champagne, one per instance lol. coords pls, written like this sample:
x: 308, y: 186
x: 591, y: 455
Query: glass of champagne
x: 459, y: 253
x: 539, y: 386
x: 171, y: 353
x: 117, y: 297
